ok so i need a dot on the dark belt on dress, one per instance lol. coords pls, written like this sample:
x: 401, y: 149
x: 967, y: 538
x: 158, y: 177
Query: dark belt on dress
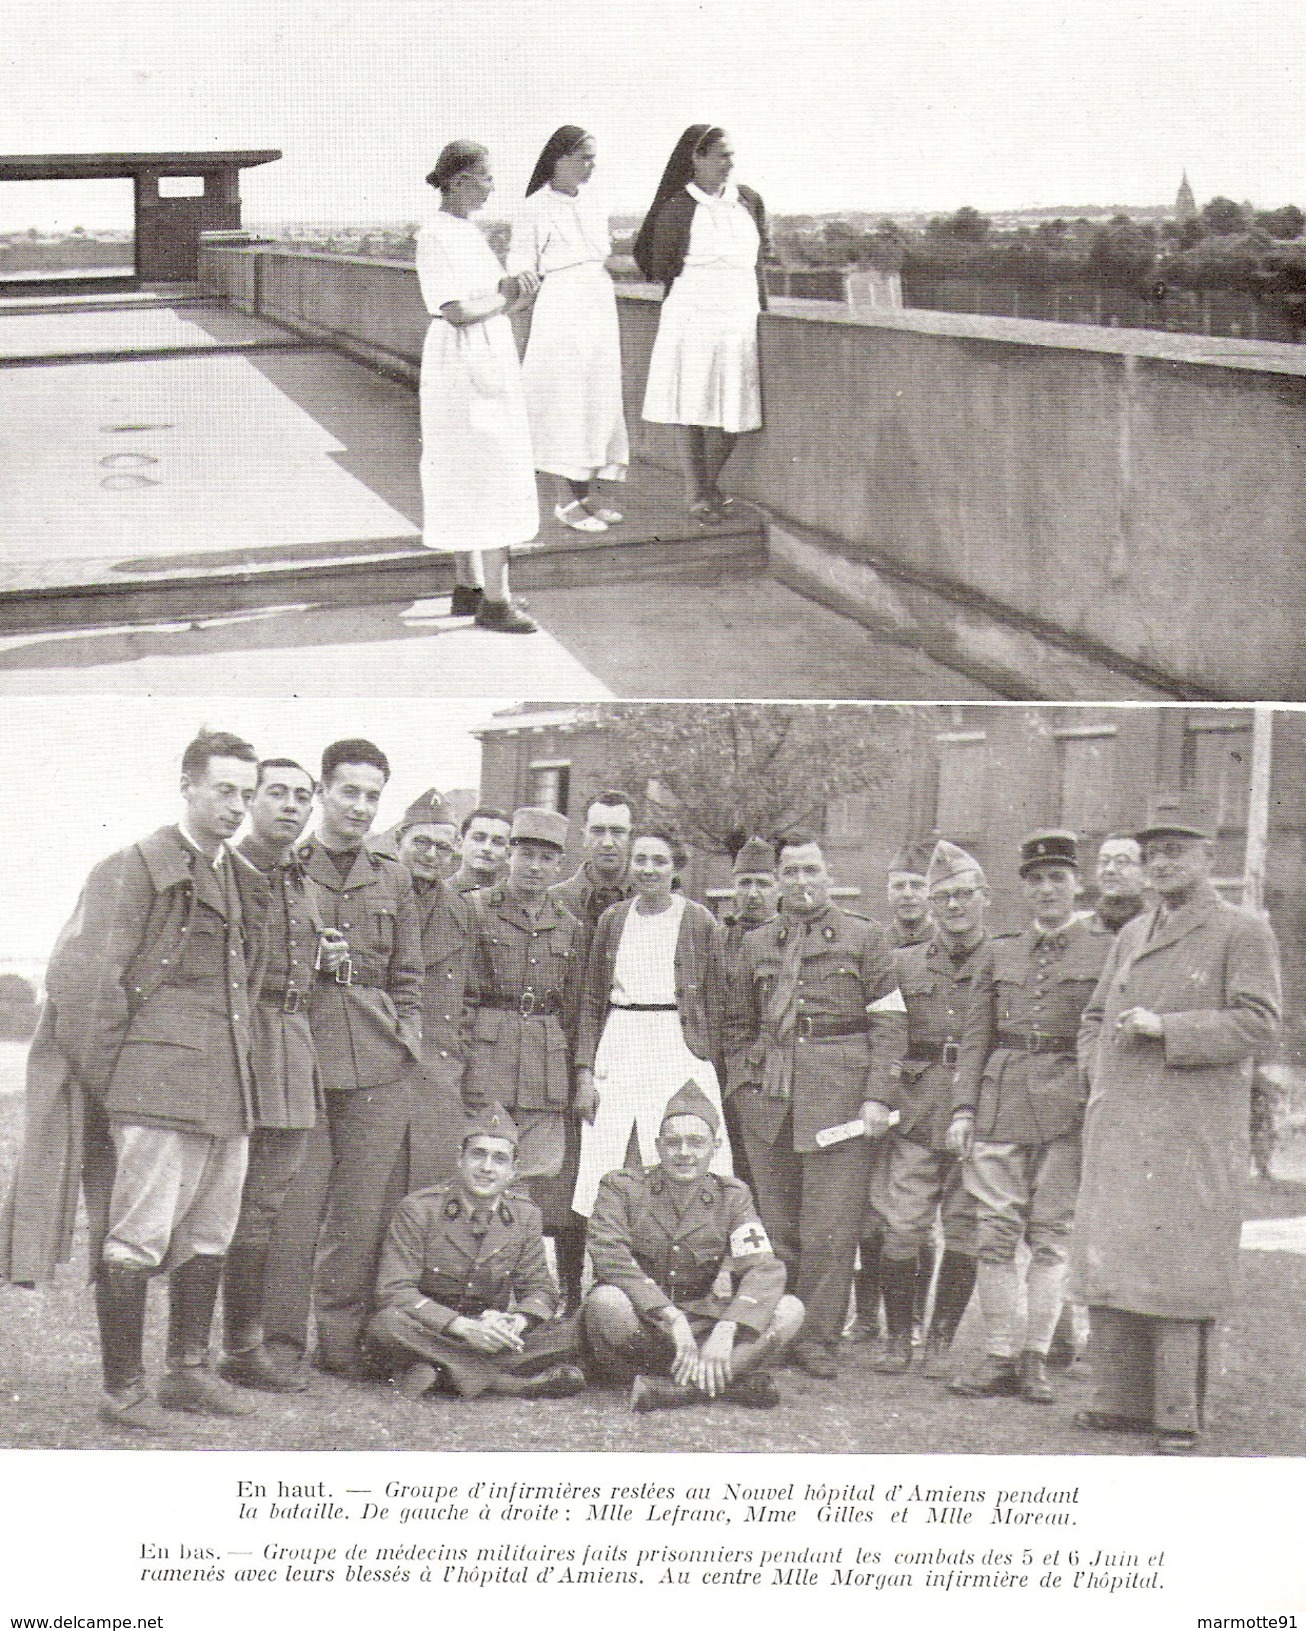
x: 530, y: 1004
x: 819, y: 1028
x: 932, y: 1053
x: 646, y: 1007
x: 1036, y: 1042
x: 289, y: 1001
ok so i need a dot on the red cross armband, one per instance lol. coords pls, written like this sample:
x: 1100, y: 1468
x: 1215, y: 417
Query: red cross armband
x: 749, y: 1240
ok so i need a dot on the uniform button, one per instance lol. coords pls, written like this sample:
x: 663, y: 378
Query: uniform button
x: 163, y: 961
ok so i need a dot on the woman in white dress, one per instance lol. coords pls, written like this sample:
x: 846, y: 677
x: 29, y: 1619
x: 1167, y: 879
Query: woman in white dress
x: 572, y: 369
x: 704, y: 239
x: 478, y: 474
x: 650, y: 1017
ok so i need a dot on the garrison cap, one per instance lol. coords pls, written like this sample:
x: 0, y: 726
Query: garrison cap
x: 427, y: 809
x: 544, y: 826
x: 690, y: 1100
x: 492, y: 1122
x: 913, y: 857
x: 950, y: 861
x: 1186, y: 815
x: 1052, y: 844
x: 755, y: 856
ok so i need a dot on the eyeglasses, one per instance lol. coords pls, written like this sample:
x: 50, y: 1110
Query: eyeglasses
x: 953, y: 897
x: 424, y: 846
x: 1172, y: 849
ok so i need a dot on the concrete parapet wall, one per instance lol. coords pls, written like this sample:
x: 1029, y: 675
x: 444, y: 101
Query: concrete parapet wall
x: 1142, y: 492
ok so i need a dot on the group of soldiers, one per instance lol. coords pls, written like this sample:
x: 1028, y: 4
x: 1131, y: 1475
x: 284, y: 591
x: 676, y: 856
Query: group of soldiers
x: 335, y: 1078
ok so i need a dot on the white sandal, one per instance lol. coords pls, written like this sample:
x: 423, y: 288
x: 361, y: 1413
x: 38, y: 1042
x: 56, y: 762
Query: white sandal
x: 601, y: 512
x: 585, y: 522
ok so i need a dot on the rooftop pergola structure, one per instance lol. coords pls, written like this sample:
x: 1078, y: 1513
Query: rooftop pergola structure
x: 178, y: 196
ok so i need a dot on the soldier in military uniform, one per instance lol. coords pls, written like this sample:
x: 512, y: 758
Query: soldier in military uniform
x: 1018, y: 1109
x: 921, y: 1177
x: 815, y: 1031
x: 287, y: 1089
x: 464, y: 1295
x: 366, y: 1017
x: 482, y: 849
x: 425, y: 841
x: 688, y: 1302
x: 756, y: 901
x: 526, y: 974
x: 603, y: 877
x: 147, y: 1028
x: 601, y: 880
x: 909, y: 925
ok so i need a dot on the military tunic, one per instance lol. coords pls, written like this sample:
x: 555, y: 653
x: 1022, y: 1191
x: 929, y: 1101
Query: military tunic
x: 587, y: 900
x: 448, y: 1256
x: 848, y: 1041
x: 524, y: 985
x: 1018, y: 1074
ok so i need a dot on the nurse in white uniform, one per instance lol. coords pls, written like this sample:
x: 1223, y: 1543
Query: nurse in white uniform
x: 704, y: 238
x: 572, y: 369
x: 478, y: 473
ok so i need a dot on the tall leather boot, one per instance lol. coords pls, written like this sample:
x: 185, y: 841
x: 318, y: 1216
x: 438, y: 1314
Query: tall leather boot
x: 569, y: 1245
x: 951, y: 1297
x: 924, y: 1274
x: 898, y: 1283
x: 190, y: 1384
x: 121, y: 1290
x: 246, y: 1361
x: 867, y: 1324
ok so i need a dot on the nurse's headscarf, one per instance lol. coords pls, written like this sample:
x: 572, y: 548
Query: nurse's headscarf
x: 678, y: 173
x: 564, y: 140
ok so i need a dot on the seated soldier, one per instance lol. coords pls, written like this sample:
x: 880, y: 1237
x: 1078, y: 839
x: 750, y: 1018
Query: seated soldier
x: 688, y: 1299
x: 464, y: 1295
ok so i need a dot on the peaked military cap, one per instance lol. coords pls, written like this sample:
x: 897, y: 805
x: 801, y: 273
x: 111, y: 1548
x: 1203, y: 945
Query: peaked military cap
x: 493, y: 1122
x: 1186, y: 815
x: 755, y: 856
x: 913, y: 857
x: 950, y: 861
x: 544, y: 826
x: 690, y: 1100
x: 429, y: 809
x: 1050, y: 844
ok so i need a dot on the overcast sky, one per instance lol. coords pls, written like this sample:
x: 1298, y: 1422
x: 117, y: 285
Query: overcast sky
x: 87, y: 775
x: 871, y: 104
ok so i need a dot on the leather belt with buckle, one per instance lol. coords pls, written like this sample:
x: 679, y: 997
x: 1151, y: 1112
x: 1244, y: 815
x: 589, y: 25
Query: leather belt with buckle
x: 1036, y: 1042
x: 823, y: 1028
x: 530, y: 1005
x: 933, y: 1053
x: 289, y: 1002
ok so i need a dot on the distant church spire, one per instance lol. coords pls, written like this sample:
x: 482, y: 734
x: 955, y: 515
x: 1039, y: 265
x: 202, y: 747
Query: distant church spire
x: 1185, y: 205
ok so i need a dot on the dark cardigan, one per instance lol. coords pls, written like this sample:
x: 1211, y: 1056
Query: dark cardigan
x: 663, y: 243
x: 700, y: 981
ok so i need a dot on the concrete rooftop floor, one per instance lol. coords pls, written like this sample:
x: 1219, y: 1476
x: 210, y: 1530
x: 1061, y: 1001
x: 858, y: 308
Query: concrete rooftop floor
x: 157, y: 443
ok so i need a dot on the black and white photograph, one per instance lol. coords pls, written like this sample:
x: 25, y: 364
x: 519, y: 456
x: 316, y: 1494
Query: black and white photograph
x: 656, y: 719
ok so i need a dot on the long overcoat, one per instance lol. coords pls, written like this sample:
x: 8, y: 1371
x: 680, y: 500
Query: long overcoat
x: 1166, y: 1130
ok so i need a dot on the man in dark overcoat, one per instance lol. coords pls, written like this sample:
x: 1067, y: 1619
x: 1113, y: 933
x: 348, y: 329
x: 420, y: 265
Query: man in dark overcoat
x: 1189, y: 998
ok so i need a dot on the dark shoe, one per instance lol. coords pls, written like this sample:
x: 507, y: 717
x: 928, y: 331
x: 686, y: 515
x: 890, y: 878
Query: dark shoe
x: 559, y: 1382
x: 1106, y: 1421
x: 465, y: 601
x: 816, y: 1359
x: 256, y: 1368
x: 757, y: 1390
x: 120, y: 1294
x: 504, y: 617
x: 418, y: 1380
x: 935, y: 1359
x: 896, y: 1357
x: 1034, y: 1384
x: 996, y: 1378
x: 657, y: 1393
x: 706, y: 514
x: 1176, y: 1443
x: 135, y: 1410
x: 197, y: 1390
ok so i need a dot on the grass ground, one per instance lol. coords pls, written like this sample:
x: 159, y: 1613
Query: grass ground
x: 49, y: 1386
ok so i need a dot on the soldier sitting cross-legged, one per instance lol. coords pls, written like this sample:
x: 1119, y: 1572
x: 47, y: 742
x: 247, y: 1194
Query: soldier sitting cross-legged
x: 688, y: 1303
x: 465, y: 1296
